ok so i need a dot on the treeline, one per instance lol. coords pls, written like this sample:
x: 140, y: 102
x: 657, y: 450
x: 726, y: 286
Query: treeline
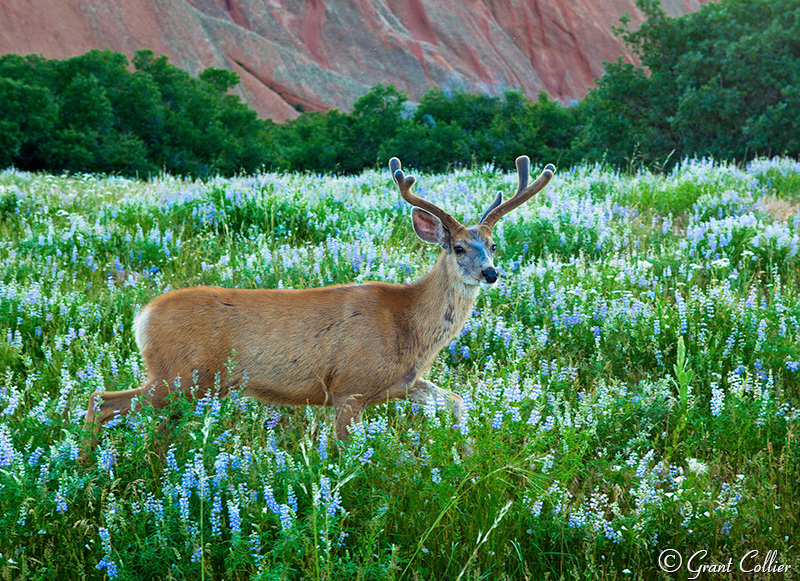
x: 722, y: 82
x: 91, y: 113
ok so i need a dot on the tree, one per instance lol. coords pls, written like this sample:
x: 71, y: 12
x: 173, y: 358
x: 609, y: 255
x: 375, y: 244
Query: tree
x: 720, y: 82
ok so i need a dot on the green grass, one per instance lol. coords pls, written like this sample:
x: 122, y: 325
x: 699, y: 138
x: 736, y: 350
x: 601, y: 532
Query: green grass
x: 591, y: 454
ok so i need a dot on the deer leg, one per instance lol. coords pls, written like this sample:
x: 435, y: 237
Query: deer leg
x: 424, y: 392
x: 347, y: 409
x: 104, y: 406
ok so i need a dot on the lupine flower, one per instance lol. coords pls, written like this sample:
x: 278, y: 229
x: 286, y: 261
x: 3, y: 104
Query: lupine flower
x: 497, y: 421
x: 323, y: 445
x: 172, y: 464
x: 216, y: 515
x: 717, y: 400
x: 366, y: 456
x: 108, y: 458
x: 255, y: 548
x: 33, y: 459
x: 234, y: 517
x: 61, y: 502
x: 7, y: 453
x: 107, y: 562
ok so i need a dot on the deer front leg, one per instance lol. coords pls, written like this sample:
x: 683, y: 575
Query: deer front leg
x: 346, y: 409
x: 424, y: 392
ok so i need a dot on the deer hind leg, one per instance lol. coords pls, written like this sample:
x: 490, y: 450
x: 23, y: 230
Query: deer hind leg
x: 104, y: 406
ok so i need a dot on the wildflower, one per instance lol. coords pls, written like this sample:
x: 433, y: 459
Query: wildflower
x: 323, y: 446
x: 792, y: 365
x: 269, y: 500
x: 234, y: 517
x: 717, y: 400
x: 7, y: 452
x: 13, y: 402
x: 183, y: 503
x: 436, y: 476
x: 696, y: 466
x: 286, y: 517
x: 453, y: 347
x: 291, y: 498
x: 108, y: 458
x: 221, y: 466
x: 172, y: 464
x: 255, y: 548
x: 107, y: 562
x: 641, y: 469
x: 497, y: 422
x: 216, y: 511
x: 33, y: 459
x: 61, y: 502
x: 274, y: 418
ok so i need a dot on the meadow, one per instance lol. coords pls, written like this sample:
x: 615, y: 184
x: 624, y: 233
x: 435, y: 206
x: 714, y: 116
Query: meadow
x: 632, y: 385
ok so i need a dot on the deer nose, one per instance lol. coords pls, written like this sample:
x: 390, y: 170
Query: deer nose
x: 490, y: 274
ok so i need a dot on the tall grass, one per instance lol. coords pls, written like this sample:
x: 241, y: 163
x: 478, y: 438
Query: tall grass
x: 632, y: 385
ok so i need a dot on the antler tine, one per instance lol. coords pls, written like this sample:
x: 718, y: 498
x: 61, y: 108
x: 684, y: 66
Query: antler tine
x: 523, y: 171
x: 524, y: 191
x: 404, y: 184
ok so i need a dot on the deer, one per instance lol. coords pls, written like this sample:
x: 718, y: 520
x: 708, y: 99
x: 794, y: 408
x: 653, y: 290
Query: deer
x: 346, y: 346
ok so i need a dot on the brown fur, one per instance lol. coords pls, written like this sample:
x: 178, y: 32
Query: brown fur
x: 344, y: 346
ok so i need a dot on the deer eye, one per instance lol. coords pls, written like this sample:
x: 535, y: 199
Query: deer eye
x: 494, y: 247
x: 458, y: 249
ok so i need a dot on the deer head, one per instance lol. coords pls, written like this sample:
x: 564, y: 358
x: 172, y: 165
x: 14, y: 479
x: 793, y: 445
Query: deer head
x: 469, y: 249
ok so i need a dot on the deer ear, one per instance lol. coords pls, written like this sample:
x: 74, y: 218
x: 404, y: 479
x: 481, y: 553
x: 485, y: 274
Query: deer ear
x: 429, y: 228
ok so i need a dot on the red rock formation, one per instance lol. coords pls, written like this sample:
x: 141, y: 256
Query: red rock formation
x: 321, y: 54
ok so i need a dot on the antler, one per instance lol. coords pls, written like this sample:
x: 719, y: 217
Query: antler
x: 524, y: 191
x: 404, y: 184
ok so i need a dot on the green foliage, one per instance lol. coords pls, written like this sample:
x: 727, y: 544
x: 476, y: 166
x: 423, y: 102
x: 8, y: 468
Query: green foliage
x: 633, y: 382
x: 90, y: 113
x: 720, y: 82
x: 442, y: 132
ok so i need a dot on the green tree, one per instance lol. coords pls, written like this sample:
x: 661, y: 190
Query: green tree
x: 376, y: 118
x: 29, y: 115
x: 721, y: 82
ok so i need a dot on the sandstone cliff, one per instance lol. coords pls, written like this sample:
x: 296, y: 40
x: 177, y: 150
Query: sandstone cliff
x: 321, y: 54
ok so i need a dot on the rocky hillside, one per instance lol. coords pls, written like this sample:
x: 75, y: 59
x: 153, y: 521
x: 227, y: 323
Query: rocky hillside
x: 319, y: 54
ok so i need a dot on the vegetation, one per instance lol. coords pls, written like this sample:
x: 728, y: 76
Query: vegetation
x: 92, y: 114
x: 720, y: 82
x: 633, y: 384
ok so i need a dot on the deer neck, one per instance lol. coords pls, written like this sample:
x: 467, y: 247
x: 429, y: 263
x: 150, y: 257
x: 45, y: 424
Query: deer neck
x: 442, y: 303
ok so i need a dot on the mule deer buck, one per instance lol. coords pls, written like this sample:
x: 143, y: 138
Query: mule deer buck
x: 345, y: 346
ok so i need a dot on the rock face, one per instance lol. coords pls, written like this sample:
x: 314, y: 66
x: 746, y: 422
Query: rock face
x: 320, y: 54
